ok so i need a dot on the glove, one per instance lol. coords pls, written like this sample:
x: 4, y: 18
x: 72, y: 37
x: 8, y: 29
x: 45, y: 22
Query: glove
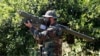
x: 49, y: 29
x: 44, y: 33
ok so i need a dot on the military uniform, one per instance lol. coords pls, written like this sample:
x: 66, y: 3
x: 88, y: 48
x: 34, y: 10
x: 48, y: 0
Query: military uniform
x: 52, y: 45
x: 49, y: 37
x: 50, y: 40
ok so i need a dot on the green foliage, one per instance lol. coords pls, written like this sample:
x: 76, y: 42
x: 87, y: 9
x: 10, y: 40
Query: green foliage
x: 15, y: 40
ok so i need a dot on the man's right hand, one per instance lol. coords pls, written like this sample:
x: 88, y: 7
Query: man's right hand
x: 28, y: 24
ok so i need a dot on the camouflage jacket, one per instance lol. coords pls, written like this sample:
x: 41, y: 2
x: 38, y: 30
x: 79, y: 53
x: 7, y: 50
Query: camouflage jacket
x: 50, y: 38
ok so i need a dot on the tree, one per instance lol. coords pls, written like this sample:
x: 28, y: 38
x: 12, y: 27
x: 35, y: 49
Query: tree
x: 80, y: 15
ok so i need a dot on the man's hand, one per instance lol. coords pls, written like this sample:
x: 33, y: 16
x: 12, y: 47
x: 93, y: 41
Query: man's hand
x: 28, y: 24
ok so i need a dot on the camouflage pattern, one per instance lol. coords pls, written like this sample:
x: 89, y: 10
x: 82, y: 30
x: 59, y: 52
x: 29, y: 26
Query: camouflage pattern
x: 52, y: 45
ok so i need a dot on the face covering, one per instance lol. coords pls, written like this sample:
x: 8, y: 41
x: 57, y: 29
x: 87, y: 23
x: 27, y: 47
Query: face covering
x: 47, y: 21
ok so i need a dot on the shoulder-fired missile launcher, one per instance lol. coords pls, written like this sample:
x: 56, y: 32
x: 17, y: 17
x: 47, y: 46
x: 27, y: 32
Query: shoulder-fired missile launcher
x: 37, y: 21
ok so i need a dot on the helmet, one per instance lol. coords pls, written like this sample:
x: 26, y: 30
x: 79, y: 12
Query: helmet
x: 50, y: 13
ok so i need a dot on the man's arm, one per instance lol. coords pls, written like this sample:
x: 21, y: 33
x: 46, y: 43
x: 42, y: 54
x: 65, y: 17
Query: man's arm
x: 39, y: 36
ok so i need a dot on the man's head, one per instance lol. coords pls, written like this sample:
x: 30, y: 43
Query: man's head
x: 50, y: 16
x: 50, y: 13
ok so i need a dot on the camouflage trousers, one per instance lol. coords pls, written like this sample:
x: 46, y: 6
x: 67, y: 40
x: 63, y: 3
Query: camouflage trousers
x: 50, y: 49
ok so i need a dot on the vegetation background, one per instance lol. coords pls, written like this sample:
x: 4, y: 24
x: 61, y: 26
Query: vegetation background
x: 80, y: 15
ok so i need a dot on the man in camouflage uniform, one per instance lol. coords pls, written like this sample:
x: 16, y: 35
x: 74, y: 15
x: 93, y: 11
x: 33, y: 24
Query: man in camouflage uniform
x: 50, y: 36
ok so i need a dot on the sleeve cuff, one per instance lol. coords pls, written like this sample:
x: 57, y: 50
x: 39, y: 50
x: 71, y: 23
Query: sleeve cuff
x: 32, y: 29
